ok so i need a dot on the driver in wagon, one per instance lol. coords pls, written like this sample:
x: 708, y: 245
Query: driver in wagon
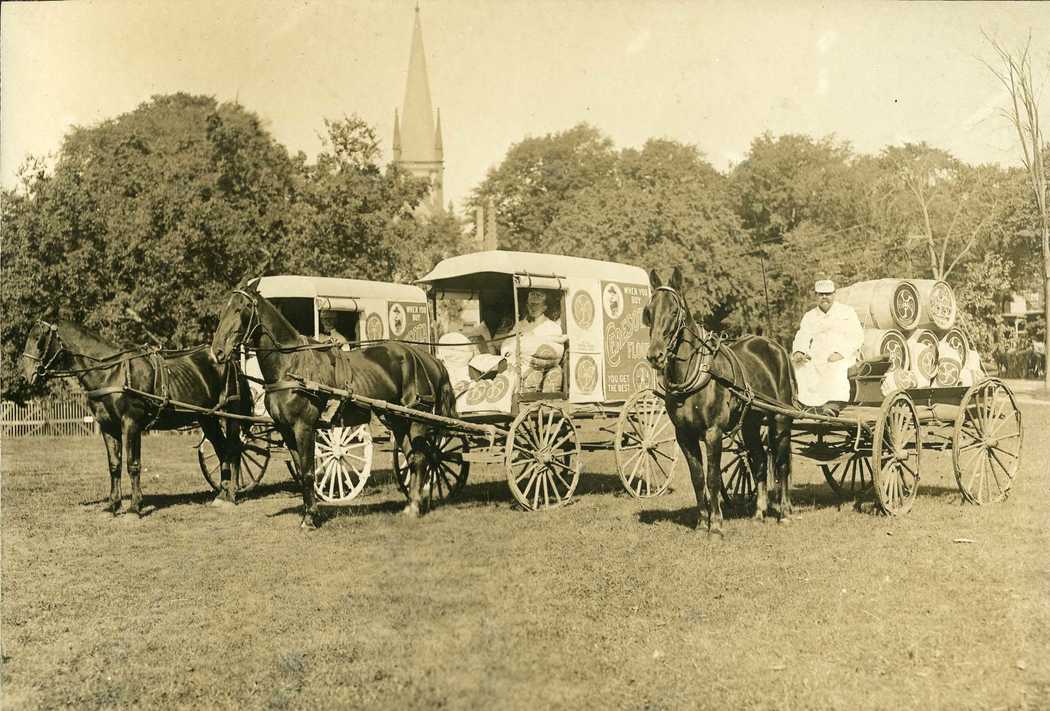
x: 824, y: 349
x: 542, y: 345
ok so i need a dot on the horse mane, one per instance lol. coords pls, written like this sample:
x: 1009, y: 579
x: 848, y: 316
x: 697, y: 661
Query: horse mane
x: 86, y: 338
x: 277, y: 317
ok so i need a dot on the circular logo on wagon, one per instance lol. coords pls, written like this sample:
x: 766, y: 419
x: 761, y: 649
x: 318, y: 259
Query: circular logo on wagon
x: 642, y: 376
x: 586, y: 374
x: 583, y: 309
x: 612, y: 300
x: 398, y: 320
x: 373, y: 327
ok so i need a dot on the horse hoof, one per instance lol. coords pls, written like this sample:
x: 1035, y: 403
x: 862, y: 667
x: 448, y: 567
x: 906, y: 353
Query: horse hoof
x: 411, y: 511
x: 220, y: 503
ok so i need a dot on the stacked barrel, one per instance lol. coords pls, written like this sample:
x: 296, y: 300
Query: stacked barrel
x: 911, y: 322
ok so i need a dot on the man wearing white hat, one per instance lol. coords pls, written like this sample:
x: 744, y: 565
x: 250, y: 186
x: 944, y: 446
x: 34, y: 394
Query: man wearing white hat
x: 825, y: 347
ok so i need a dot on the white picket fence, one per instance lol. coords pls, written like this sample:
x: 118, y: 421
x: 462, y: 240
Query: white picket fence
x: 58, y: 416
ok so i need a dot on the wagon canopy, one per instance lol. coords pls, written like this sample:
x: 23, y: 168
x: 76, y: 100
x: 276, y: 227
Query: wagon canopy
x: 275, y: 287
x: 489, y: 270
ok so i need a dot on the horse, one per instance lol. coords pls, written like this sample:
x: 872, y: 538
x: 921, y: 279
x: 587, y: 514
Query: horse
x: 108, y: 372
x: 391, y: 371
x: 709, y: 388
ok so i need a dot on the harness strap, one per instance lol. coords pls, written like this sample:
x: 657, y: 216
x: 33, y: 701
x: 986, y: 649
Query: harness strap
x: 102, y: 392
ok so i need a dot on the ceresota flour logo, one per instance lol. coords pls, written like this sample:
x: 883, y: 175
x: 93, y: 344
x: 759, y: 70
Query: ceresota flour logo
x: 612, y: 300
x: 398, y: 320
x: 583, y: 309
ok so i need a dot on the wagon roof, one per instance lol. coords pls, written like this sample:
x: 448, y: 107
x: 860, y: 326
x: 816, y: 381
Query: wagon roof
x: 313, y: 286
x: 510, y: 263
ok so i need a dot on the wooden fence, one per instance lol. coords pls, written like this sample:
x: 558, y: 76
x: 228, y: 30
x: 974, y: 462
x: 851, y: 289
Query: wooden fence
x: 57, y: 416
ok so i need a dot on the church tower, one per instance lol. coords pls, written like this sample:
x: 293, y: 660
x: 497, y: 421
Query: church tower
x: 417, y: 133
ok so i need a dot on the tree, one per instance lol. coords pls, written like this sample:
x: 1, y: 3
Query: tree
x: 665, y: 207
x: 947, y: 205
x: 538, y: 176
x: 160, y: 210
x: 1016, y: 75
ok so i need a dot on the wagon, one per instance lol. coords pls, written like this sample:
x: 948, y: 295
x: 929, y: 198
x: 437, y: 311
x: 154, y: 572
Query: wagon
x: 877, y: 442
x: 599, y: 398
x: 362, y: 312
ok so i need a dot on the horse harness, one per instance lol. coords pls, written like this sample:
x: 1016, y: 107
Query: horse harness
x: 708, y: 345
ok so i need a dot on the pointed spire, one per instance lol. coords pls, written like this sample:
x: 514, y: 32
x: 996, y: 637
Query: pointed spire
x: 439, y: 147
x: 417, y: 129
x: 397, y: 137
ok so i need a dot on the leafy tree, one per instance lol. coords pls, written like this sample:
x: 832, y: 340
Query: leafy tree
x: 666, y: 207
x: 538, y: 176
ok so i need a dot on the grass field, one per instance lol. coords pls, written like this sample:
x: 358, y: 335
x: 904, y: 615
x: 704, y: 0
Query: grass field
x: 612, y: 602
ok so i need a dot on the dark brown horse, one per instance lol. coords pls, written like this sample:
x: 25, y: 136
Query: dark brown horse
x: 700, y: 374
x: 108, y: 372
x: 391, y: 371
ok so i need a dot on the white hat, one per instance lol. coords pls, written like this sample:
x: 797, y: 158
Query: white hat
x: 824, y: 286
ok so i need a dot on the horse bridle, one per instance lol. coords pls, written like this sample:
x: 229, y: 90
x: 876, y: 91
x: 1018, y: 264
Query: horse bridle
x: 254, y: 323
x: 45, y: 361
x: 699, y: 372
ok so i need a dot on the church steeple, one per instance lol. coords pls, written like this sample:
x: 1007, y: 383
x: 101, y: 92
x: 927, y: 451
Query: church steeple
x: 418, y: 145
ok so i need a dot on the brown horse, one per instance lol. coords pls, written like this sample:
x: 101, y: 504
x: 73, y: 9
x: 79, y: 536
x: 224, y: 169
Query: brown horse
x: 700, y: 375
x: 108, y: 372
x: 391, y: 371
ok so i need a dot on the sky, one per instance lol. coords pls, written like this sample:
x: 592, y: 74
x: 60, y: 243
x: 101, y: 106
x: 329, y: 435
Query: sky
x: 712, y: 74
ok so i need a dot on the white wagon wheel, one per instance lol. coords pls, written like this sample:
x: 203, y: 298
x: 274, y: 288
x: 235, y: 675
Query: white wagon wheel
x: 542, y: 457
x: 446, y: 470
x: 342, y: 462
x: 896, y: 455
x: 256, y: 443
x: 738, y: 481
x: 647, y: 452
x: 986, y: 446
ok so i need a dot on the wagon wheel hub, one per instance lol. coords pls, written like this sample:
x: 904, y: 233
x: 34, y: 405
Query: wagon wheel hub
x: 544, y: 455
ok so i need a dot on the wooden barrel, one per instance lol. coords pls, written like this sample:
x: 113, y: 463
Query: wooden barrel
x: 937, y: 308
x: 885, y: 343
x: 955, y: 341
x: 883, y: 303
x: 922, y: 347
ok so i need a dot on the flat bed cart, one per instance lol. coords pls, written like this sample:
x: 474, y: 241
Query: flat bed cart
x: 877, y: 442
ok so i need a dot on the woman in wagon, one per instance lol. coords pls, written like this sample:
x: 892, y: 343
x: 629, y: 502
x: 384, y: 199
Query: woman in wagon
x: 542, y: 345
x: 330, y: 331
x: 824, y: 348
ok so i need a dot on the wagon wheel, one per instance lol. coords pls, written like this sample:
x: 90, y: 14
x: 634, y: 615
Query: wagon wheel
x: 342, y: 462
x: 256, y: 442
x: 446, y: 470
x: 647, y: 453
x: 849, y: 478
x: 542, y: 457
x: 896, y: 454
x: 738, y: 481
x: 986, y: 446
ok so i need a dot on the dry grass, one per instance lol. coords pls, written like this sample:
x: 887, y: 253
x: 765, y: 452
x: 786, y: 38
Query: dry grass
x: 610, y: 603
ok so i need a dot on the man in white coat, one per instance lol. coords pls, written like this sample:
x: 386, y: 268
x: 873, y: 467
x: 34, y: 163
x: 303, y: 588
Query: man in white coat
x: 825, y: 347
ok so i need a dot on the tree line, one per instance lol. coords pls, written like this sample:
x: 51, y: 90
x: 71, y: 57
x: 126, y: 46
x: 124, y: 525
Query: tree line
x: 142, y: 224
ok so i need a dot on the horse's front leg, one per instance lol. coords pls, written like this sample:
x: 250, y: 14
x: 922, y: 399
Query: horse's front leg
x: 781, y: 435
x: 114, y: 455
x: 304, y: 445
x: 689, y: 441
x: 713, y: 440
x: 755, y: 451
x: 132, y: 433
x: 213, y: 432
x: 416, y: 444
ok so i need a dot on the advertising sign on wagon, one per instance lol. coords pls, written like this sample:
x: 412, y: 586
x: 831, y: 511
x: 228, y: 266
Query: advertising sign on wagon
x: 626, y: 339
x: 408, y: 321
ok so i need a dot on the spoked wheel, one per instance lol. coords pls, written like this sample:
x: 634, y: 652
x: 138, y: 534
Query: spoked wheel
x: 342, y: 462
x: 896, y: 455
x: 256, y: 442
x: 446, y: 471
x: 647, y: 453
x: 849, y: 478
x: 542, y: 457
x: 986, y: 446
x: 738, y: 481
